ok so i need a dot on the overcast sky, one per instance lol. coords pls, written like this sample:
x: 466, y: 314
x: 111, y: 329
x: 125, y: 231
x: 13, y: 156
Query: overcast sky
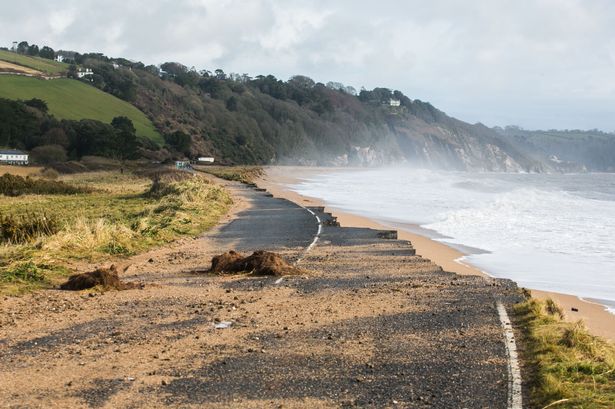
x: 535, y: 63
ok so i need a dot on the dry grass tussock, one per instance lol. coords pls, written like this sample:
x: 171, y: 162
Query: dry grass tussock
x: 20, y: 170
x: 121, y: 221
x: 183, y: 206
x: 243, y: 174
x: 566, y: 367
x: 85, y: 237
x: 19, y: 229
x: 12, y: 185
x: 110, y: 182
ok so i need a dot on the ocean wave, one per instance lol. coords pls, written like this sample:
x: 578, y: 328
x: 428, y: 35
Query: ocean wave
x: 555, y: 231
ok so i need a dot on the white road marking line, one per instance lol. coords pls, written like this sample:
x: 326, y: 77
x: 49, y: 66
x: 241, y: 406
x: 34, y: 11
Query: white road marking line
x: 515, y: 395
x: 313, y: 243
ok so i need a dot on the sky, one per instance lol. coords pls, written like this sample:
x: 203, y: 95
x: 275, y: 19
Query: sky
x: 539, y: 64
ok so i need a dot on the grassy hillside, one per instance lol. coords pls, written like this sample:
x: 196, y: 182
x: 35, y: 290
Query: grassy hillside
x: 37, y: 63
x: 71, y: 99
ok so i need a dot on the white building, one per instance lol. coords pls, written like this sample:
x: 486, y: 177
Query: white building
x: 394, y: 102
x: 83, y: 72
x: 182, y: 164
x: 59, y: 58
x: 13, y: 157
x: 205, y: 160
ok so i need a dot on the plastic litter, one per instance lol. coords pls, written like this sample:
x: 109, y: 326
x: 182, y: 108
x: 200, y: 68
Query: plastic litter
x: 223, y: 325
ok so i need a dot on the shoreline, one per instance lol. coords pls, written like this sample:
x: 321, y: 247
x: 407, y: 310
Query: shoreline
x: 276, y: 180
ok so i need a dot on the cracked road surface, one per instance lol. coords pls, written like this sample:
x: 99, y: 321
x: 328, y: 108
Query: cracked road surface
x: 370, y: 324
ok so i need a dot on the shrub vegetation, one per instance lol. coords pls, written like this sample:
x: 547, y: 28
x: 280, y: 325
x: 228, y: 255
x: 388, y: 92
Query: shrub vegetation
x: 14, y: 185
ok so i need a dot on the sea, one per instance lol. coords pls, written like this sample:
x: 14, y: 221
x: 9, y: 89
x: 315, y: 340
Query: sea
x: 553, y: 232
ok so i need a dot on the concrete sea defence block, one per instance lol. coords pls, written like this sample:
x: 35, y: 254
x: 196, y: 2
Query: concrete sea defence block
x: 387, y: 234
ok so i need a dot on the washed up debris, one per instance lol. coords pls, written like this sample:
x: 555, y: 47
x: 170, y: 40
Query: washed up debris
x: 260, y: 263
x: 225, y: 262
x: 107, y: 278
x: 223, y: 324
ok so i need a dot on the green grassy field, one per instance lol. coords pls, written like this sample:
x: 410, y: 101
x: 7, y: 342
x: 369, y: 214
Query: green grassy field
x: 71, y: 99
x: 37, y: 63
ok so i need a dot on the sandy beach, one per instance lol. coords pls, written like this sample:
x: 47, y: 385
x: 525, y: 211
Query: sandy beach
x: 277, y: 179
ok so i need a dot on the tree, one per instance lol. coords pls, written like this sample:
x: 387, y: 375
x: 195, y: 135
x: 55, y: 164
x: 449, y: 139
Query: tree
x: 173, y: 68
x: 216, y: 88
x: 91, y: 137
x: 126, y: 137
x: 152, y: 69
x: 47, y: 52
x: 55, y: 136
x: 72, y: 71
x: 337, y: 86
x: 220, y: 74
x: 22, y: 48
x: 179, y: 141
x: 232, y: 104
x: 48, y: 154
x: 33, y: 50
x: 123, y: 124
x: 38, y: 104
x: 190, y: 78
x: 302, y: 81
x: 18, y: 125
x: 350, y: 90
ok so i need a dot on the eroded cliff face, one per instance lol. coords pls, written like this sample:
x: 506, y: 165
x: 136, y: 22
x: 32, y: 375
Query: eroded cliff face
x: 440, y: 145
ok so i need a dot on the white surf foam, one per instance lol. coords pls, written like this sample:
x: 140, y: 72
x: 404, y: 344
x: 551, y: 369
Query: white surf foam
x: 549, y: 232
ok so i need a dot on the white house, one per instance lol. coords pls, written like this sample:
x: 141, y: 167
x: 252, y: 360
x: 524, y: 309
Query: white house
x: 394, y: 102
x: 59, y: 58
x: 205, y: 160
x: 83, y: 72
x: 13, y: 157
x: 182, y: 164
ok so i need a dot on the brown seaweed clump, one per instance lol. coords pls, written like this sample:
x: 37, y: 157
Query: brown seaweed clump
x: 107, y: 278
x: 260, y: 263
